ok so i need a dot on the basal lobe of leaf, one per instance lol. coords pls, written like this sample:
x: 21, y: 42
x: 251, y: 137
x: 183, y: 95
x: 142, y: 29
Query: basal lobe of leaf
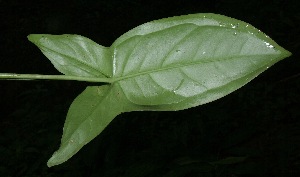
x: 87, y: 70
x: 75, y: 55
x: 87, y: 117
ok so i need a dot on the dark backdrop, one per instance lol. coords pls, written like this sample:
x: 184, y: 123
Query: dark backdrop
x: 260, y: 121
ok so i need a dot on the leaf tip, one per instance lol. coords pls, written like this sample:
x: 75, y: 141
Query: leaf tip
x: 34, y: 38
x: 64, y: 153
x: 60, y: 156
x: 31, y: 37
x: 54, y: 160
x: 50, y: 163
x: 288, y: 53
x: 285, y: 54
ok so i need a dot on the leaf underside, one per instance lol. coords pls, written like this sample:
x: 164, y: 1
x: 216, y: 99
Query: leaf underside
x: 168, y: 64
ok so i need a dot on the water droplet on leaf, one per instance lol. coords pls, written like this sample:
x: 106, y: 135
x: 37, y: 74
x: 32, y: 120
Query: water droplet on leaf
x: 269, y: 45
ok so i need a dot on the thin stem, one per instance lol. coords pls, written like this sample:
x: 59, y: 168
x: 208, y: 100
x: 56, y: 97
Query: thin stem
x: 53, y: 77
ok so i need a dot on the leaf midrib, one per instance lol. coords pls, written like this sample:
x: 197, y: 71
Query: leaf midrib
x: 116, y: 79
x: 261, y: 68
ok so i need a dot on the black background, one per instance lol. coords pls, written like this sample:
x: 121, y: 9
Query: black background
x: 260, y: 121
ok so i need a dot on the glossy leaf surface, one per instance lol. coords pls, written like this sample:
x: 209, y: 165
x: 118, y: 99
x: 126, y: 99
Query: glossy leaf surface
x: 75, y: 55
x: 185, y: 61
x: 88, y: 115
x: 169, y: 64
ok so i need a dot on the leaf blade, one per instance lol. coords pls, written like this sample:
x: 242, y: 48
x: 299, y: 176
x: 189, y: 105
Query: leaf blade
x: 87, y: 117
x: 171, y: 65
x: 75, y: 55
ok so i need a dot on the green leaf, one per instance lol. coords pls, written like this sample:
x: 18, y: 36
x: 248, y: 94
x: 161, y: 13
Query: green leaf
x: 190, y: 60
x: 75, y: 55
x: 88, y: 115
x: 168, y: 64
